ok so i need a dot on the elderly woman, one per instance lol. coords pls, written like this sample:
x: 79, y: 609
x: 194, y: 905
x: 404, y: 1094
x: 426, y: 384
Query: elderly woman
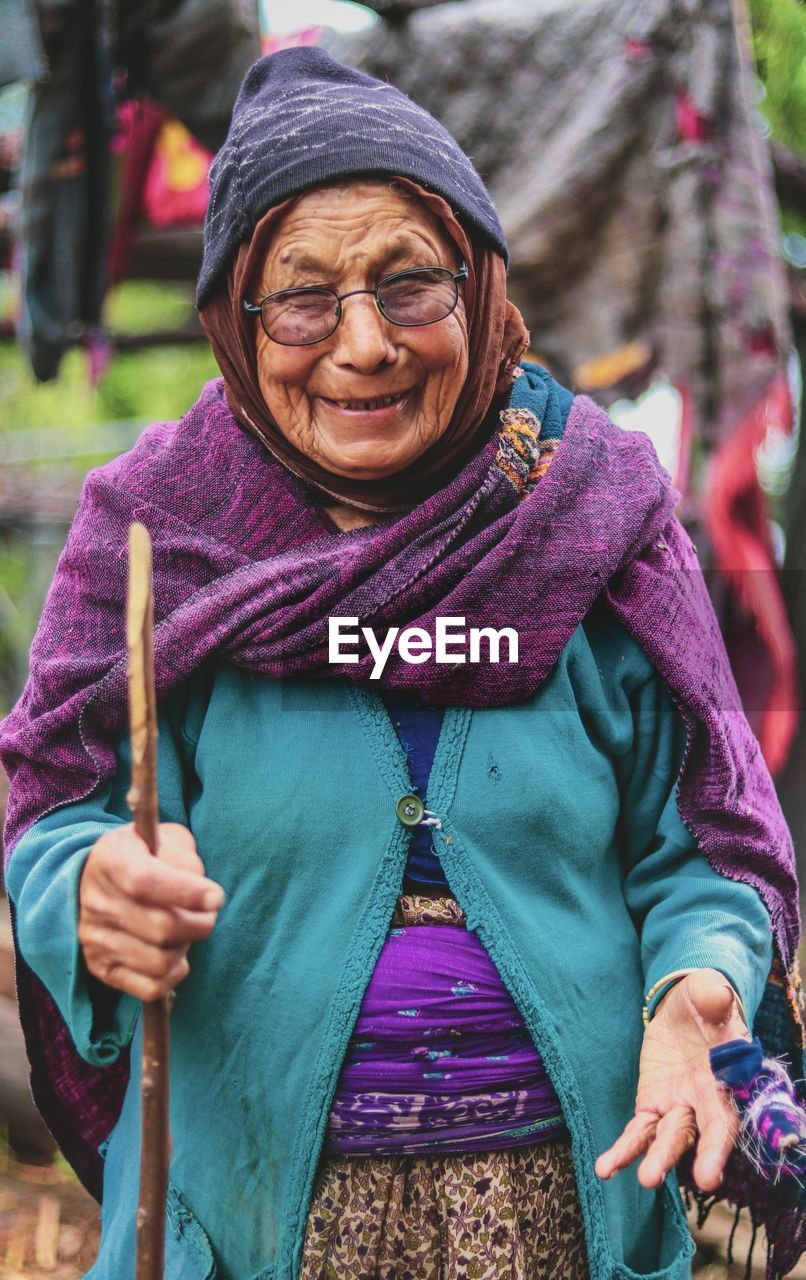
x: 452, y: 770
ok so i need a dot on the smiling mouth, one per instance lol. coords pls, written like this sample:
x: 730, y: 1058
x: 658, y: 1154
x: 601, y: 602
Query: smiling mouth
x: 368, y: 406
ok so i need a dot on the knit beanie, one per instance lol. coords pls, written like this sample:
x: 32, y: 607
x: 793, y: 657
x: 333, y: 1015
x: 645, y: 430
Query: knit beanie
x: 302, y: 120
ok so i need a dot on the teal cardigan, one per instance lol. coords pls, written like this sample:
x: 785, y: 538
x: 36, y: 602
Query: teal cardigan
x: 559, y: 836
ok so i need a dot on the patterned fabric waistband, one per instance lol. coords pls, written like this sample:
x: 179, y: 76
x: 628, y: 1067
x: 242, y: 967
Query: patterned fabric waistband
x: 414, y: 908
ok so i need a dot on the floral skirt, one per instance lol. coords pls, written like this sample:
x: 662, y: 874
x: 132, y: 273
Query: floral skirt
x: 499, y: 1215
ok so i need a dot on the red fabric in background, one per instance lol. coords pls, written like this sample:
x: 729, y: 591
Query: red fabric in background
x: 176, y: 188
x: 737, y: 522
x: 163, y: 169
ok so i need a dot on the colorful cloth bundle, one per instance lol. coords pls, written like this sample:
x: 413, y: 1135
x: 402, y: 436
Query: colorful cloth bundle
x: 773, y: 1120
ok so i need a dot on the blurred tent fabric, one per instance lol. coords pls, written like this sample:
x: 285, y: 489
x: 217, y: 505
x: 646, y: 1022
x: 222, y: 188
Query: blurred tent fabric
x: 622, y: 144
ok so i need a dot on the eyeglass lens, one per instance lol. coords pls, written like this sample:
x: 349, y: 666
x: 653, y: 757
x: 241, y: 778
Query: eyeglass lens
x: 299, y: 316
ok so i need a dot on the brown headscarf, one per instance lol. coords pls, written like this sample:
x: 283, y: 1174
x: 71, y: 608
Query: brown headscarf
x: 497, y: 337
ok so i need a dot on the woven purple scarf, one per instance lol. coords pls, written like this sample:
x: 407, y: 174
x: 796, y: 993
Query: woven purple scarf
x: 248, y: 570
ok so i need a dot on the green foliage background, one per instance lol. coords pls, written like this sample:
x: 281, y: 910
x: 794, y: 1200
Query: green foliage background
x: 73, y: 426
x: 779, y: 48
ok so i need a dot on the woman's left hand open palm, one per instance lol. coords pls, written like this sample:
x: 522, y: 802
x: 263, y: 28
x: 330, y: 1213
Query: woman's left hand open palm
x: 679, y: 1101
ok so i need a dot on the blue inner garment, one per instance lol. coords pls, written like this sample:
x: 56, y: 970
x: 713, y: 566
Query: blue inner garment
x: 418, y: 727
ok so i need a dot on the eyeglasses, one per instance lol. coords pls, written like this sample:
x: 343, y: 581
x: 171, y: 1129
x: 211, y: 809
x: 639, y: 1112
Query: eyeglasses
x: 300, y: 317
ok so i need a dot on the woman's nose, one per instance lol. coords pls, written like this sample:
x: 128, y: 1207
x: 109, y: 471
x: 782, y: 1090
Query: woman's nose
x: 363, y: 338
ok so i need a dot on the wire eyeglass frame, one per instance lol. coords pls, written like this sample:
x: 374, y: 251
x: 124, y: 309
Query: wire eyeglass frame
x: 256, y: 308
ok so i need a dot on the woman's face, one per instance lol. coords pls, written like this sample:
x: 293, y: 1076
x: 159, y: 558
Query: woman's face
x: 322, y: 396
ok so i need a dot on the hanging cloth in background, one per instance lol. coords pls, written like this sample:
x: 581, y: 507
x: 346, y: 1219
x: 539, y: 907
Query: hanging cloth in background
x: 190, y: 57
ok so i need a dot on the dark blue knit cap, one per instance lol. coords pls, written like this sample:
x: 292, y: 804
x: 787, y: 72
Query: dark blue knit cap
x: 302, y: 119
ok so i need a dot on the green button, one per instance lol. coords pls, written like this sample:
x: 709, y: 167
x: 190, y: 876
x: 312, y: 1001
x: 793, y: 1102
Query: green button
x: 409, y: 810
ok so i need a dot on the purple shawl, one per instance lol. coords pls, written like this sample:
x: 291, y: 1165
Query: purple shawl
x: 248, y: 570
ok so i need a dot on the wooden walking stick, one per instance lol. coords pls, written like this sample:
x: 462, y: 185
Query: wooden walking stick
x: 143, y: 804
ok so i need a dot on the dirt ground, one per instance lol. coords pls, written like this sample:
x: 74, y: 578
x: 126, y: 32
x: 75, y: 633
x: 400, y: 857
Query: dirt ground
x: 49, y: 1225
x: 49, y: 1230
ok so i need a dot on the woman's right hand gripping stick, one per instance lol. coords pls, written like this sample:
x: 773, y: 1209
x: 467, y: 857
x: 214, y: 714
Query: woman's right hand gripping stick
x: 139, y: 914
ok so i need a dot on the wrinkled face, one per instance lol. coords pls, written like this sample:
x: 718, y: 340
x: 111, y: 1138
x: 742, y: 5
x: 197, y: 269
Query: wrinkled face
x: 324, y: 397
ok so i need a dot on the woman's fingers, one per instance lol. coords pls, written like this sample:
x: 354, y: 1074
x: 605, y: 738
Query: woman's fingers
x: 120, y: 864
x: 632, y: 1143
x: 151, y: 882
x: 663, y: 1141
x: 105, y: 949
x: 127, y: 964
x: 143, y: 987
x: 718, y: 1125
x: 171, y: 927
x: 676, y: 1132
x: 164, y: 925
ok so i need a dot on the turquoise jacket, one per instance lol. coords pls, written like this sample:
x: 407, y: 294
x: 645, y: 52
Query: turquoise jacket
x: 559, y: 836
